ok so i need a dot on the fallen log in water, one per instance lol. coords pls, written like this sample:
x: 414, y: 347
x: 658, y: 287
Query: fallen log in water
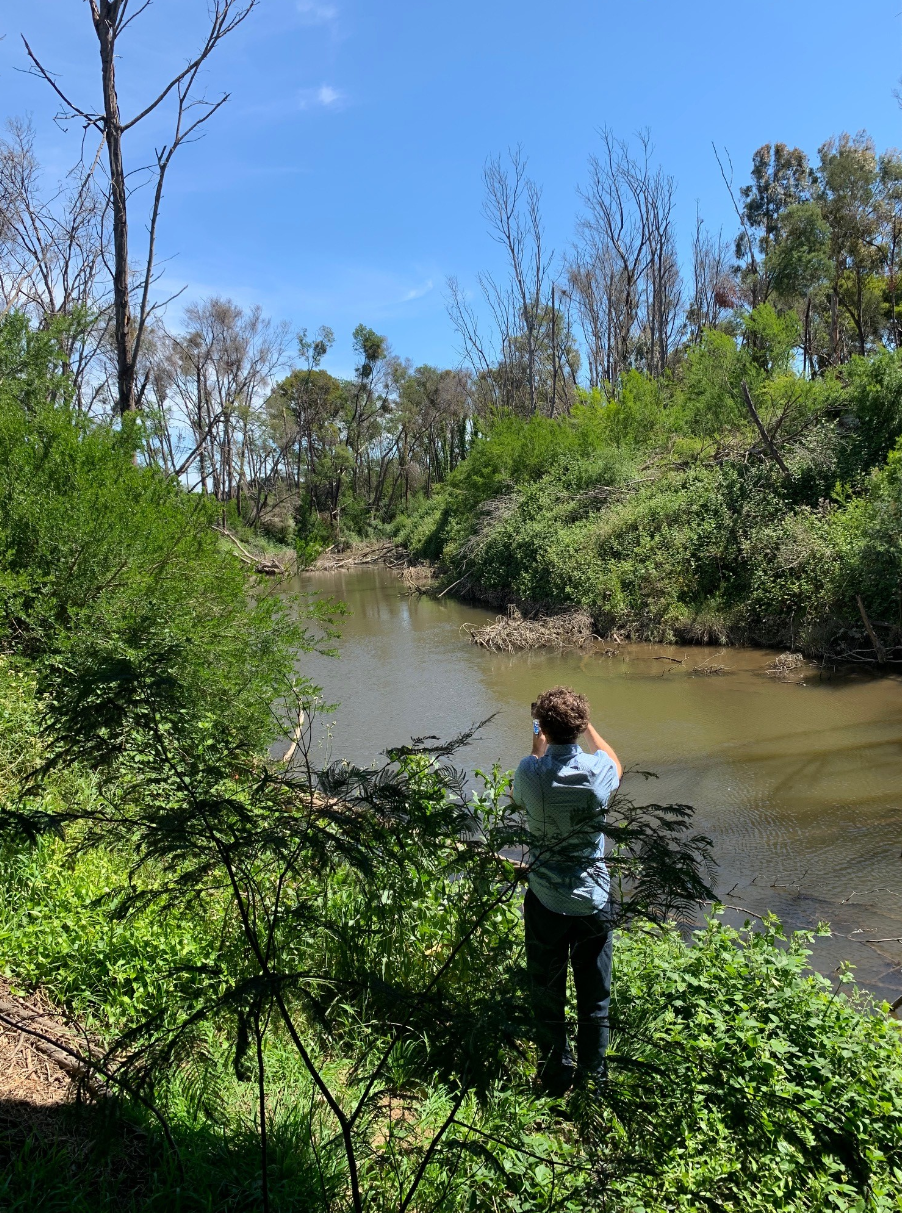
x: 267, y: 565
x: 512, y: 633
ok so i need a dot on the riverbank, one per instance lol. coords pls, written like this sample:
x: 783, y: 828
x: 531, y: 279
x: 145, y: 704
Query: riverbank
x: 672, y: 526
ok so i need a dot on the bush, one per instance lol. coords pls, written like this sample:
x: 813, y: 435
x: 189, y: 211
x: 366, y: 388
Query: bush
x: 99, y: 554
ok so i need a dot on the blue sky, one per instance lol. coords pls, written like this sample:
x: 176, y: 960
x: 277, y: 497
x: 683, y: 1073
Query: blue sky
x: 342, y: 181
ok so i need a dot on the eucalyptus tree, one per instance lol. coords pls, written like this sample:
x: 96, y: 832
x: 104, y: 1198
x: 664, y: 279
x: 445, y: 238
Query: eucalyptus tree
x: 436, y: 415
x: 306, y: 407
x: 890, y: 217
x: 848, y: 180
x: 370, y: 400
x: 781, y: 179
x: 221, y: 368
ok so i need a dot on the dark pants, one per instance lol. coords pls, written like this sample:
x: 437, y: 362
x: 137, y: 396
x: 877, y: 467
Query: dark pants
x: 551, y: 940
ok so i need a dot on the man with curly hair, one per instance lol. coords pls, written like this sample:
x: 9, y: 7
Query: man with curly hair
x: 564, y: 792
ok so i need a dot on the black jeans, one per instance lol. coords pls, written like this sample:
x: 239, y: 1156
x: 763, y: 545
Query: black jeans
x: 586, y: 941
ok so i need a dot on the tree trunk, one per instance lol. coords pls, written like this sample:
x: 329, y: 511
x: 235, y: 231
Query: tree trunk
x: 104, y: 25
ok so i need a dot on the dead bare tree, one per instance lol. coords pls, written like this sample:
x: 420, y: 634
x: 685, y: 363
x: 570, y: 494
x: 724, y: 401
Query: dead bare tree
x: 510, y: 360
x: 714, y: 288
x: 191, y: 110
x: 593, y: 287
x: 663, y: 285
x: 624, y: 272
x: 616, y: 244
x: 52, y: 246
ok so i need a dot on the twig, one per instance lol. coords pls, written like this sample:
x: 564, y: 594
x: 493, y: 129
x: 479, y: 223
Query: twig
x: 740, y: 909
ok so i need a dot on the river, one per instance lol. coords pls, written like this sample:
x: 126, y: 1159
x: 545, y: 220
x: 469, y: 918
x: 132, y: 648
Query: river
x: 798, y: 782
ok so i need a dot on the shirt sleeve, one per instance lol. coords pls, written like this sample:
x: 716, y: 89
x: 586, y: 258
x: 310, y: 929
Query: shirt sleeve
x: 524, y: 770
x: 605, y: 779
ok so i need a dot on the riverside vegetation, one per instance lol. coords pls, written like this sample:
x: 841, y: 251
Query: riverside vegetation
x: 304, y: 987
x: 665, y: 515
x: 688, y: 452
x: 301, y: 985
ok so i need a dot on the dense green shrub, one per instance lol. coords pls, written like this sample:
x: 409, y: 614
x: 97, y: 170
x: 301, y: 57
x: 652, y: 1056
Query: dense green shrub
x: 738, y: 1079
x: 101, y: 555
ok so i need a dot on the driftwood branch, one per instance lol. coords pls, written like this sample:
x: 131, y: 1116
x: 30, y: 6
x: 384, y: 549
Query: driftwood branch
x: 295, y: 737
x: 875, y: 639
x: 765, y: 437
x: 260, y: 564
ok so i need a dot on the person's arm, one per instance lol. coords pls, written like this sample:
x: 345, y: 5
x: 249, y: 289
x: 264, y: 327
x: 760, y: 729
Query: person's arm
x: 597, y: 742
x: 520, y: 866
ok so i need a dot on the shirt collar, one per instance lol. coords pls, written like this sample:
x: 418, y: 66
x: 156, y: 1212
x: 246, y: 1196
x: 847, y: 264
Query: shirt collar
x: 562, y: 751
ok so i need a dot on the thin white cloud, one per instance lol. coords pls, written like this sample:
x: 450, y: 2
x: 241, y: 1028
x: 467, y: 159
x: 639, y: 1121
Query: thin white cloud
x: 324, y: 97
x: 314, y: 12
x: 417, y: 292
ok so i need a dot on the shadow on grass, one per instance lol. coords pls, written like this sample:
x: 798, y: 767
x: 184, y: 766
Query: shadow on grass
x: 96, y: 1159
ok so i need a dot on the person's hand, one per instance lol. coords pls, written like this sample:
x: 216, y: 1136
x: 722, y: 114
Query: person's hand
x: 539, y: 742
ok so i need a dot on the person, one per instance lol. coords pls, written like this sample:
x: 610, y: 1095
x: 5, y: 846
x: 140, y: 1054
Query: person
x: 564, y: 792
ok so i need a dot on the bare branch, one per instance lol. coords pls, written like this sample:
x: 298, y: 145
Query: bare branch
x: 220, y: 27
x: 94, y: 119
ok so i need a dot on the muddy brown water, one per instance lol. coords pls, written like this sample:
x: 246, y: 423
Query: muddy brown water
x: 799, y: 783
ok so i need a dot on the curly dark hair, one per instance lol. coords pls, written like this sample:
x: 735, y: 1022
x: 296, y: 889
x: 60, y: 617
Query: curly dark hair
x: 562, y: 713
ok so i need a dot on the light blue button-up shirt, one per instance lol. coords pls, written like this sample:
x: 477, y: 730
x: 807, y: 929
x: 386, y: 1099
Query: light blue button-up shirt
x: 564, y: 795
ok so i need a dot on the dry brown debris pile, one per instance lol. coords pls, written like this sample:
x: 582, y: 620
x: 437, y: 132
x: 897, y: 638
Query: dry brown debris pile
x: 39, y: 1052
x: 785, y: 664
x: 710, y: 668
x: 511, y: 633
x: 331, y: 559
x: 418, y: 578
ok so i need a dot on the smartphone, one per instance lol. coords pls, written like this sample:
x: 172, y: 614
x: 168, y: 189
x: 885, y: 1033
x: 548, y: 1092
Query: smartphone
x: 536, y: 728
